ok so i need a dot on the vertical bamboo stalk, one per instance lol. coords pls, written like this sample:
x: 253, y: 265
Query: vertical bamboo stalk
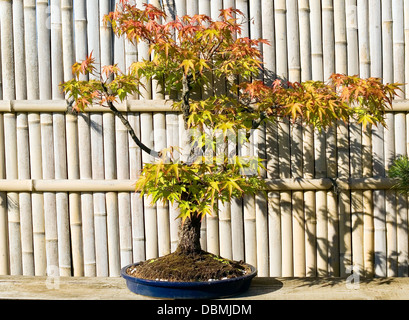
x: 143, y: 53
x: 111, y: 197
x: 160, y: 143
x: 398, y: 44
x: 340, y: 37
x: 368, y: 249
x: 151, y: 228
x: 356, y: 198
x: 329, y: 59
x: 401, y: 210
x: 87, y: 211
x: 22, y: 140
x: 14, y: 221
x: 4, y: 260
x: 137, y: 208
x: 193, y: 7
x: 124, y: 208
x: 280, y: 10
x: 172, y: 137
x: 243, y: 6
x: 31, y: 52
x: 93, y: 24
x: 32, y: 93
x: 387, y: 41
x: 261, y: 208
x: 285, y: 199
x: 84, y: 154
x: 294, y: 72
x: 180, y: 7
x: 375, y: 37
x: 100, y: 213
x: 44, y: 49
x: 109, y: 151
x: 57, y: 73
x: 379, y: 204
x: 23, y: 156
x: 75, y: 221
x: 40, y: 263
x: 352, y: 37
x: 398, y: 258
x: 363, y: 36
x: 268, y: 31
x: 119, y: 48
x: 11, y: 204
x: 19, y: 57
x: 80, y: 29
x: 50, y: 214
x: 406, y: 26
x: 316, y: 41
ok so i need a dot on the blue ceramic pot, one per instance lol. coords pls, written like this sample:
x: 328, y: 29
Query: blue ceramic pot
x: 188, y: 290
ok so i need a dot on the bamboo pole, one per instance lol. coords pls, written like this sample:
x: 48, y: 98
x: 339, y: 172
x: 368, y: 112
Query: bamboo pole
x: 14, y: 220
x: 316, y: 41
x: 31, y: 52
x: 151, y: 226
x: 109, y: 151
x: 19, y: 57
x: 368, y: 222
x: 357, y: 218
x: 22, y: 140
x: 75, y: 221
x: 172, y: 137
x: 50, y: 213
x: 398, y: 44
x: 87, y: 211
x: 23, y: 156
x: 57, y: 72
x: 160, y: 143
x: 268, y: 31
x: 285, y: 199
x: 406, y: 26
x: 36, y: 203
x: 32, y: 93
x: 243, y: 6
x: 387, y: 41
x: 124, y: 208
x: 281, y: 39
x: 375, y: 22
x: 11, y: 204
x: 137, y: 209
x: 193, y: 7
x: 4, y: 260
x: 37, y: 198
x: 100, y: 213
x: 261, y: 202
x: 352, y: 37
x: 80, y: 30
x: 294, y: 71
x: 180, y: 7
x: 340, y: 37
x: 44, y: 49
x: 344, y: 201
x: 363, y: 36
x: 401, y: 210
x: 143, y: 53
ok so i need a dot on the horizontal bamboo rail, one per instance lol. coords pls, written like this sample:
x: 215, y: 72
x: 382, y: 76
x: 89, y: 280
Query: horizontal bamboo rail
x: 97, y: 185
x: 125, y: 106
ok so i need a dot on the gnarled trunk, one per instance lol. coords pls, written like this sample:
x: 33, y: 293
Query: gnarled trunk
x: 189, y: 235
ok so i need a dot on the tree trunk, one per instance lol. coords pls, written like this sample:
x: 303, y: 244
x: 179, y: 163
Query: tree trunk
x: 189, y: 236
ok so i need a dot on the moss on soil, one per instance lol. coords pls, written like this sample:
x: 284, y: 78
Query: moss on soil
x: 201, y: 266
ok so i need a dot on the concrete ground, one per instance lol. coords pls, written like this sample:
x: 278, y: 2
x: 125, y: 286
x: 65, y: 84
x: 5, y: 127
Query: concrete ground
x: 71, y: 288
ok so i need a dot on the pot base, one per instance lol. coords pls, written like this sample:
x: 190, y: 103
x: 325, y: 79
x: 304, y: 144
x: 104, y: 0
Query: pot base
x: 189, y: 290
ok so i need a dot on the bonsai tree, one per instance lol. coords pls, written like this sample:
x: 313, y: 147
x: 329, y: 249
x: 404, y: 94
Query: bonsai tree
x: 186, y: 55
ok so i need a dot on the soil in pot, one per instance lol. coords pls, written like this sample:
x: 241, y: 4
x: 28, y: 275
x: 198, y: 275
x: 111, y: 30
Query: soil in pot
x: 194, y: 266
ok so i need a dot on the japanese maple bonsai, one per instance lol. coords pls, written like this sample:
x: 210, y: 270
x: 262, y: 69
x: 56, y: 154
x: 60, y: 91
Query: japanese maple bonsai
x: 187, y: 53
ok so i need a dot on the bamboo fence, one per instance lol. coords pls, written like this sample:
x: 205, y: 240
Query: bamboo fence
x: 67, y: 200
